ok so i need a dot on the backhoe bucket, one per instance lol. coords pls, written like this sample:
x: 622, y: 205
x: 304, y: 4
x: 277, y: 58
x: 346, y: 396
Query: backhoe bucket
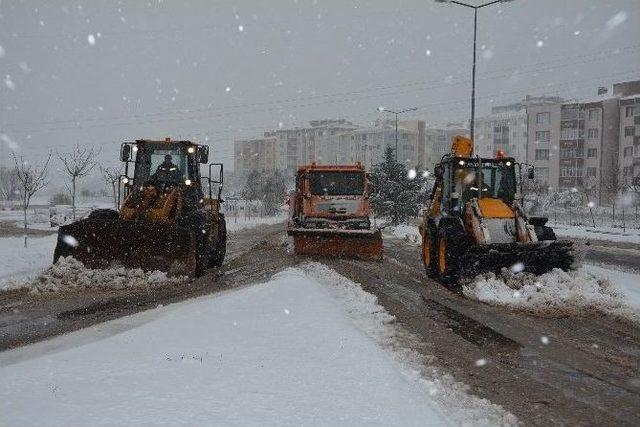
x: 360, y: 244
x: 537, y: 258
x: 101, y: 243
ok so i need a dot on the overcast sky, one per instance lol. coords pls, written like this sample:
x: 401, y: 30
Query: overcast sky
x: 101, y: 72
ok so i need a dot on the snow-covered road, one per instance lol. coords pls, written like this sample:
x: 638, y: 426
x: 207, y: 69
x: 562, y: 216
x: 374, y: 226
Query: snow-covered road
x: 279, y: 353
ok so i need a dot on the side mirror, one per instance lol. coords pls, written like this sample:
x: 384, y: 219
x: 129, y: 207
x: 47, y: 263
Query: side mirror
x: 203, y: 154
x: 438, y: 171
x: 125, y: 153
x: 531, y: 173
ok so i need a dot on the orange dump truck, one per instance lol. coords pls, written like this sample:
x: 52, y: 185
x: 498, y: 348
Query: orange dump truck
x: 330, y: 213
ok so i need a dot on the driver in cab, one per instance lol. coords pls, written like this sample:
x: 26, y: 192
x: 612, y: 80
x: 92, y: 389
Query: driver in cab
x: 167, y: 170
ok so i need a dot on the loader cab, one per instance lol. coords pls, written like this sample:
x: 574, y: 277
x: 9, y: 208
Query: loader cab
x: 165, y: 165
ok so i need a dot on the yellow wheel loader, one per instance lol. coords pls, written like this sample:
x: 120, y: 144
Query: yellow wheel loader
x: 166, y: 222
x: 475, y: 222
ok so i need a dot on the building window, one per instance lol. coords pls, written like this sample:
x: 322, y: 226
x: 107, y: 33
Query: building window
x: 542, y: 154
x: 593, y: 133
x: 629, y: 111
x: 594, y: 114
x: 543, y: 136
x: 629, y: 131
x: 570, y: 171
x: 627, y: 171
x: 628, y: 152
x: 591, y: 172
x: 542, y: 118
x: 592, y: 152
x: 568, y: 153
x: 636, y: 150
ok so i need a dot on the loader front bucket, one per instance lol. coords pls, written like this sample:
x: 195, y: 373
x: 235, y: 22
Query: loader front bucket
x: 537, y: 258
x: 360, y: 244
x: 100, y: 243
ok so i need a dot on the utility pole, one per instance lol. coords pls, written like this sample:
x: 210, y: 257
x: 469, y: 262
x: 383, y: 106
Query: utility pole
x: 473, y: 70
x: 386, y: 110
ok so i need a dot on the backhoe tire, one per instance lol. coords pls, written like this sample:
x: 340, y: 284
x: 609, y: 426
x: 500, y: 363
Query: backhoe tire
x: 545, y: 233
x: 220, y: 248
x: 452, y: 242
x: 429, y: 251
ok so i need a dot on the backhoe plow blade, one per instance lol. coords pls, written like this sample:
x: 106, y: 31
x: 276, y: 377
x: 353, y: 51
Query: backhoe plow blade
x: 537, y: 258
x: 100, y: 243
x: 360, y: 244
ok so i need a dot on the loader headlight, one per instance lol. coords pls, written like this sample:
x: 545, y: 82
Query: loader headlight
x: 135, y: 148
x: 191, y: 150
x: 125, y: 180
x: 461, y: 162
x: 508, y: 163
x: 187, y: 182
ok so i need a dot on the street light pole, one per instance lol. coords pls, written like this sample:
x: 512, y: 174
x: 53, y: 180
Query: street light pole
x: 382, y: 109
x: 475, y: 37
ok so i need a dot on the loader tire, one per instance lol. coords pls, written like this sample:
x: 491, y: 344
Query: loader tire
x: 451, y: 243
x: 203, y: 256
x: 429, y: 250
x: 545, y: 233
x: 220, y: 249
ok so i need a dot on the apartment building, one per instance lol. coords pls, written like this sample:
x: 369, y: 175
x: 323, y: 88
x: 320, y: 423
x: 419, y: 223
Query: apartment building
x: 629, y: 131
x: 316, y: 143
x: 543, y: 136
x: 505, y: 130
x: 368, y: 144
x: 254, y: 154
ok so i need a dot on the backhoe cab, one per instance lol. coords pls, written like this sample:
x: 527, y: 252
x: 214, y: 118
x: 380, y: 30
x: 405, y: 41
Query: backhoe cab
x: 475, y: 222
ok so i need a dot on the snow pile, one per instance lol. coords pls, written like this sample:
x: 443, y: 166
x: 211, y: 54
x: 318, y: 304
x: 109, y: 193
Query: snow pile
x: 371, y: 318
x: 69, y: 273
x: 556, y: 293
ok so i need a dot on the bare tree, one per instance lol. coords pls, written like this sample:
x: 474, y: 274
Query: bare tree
x: 112, y: 178
x: 32, y: 179
x: 9, y: 184
x: 77, y: 164
x: 613, y: 183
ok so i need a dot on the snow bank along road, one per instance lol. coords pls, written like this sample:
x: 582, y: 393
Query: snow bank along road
x: 580, y: 369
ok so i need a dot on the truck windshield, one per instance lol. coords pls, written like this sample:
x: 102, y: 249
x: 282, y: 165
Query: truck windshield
x: 336, y: 183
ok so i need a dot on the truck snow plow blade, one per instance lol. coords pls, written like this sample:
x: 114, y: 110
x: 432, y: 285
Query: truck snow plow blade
x: 360, y: 244
x: 537, y: 258
x: 100, y: 243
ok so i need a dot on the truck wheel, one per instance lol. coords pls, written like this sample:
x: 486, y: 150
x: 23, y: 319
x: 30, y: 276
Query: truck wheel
x: 220, y: 247
x: 429, y: 250
x: 451, y: 244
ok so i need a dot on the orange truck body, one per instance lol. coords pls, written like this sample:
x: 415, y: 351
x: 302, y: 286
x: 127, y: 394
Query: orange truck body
x: 330, y: 213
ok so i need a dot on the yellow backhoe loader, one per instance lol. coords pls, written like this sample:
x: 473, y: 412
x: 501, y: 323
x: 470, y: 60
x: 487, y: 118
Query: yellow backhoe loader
x: 475, y: 221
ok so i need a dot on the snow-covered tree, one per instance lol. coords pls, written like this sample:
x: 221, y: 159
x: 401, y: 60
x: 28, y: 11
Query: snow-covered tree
x: 252, y: 188
x: 273, y: 192
x: 32, y: 179
x: 398, y: 193
x: 77, y: 164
